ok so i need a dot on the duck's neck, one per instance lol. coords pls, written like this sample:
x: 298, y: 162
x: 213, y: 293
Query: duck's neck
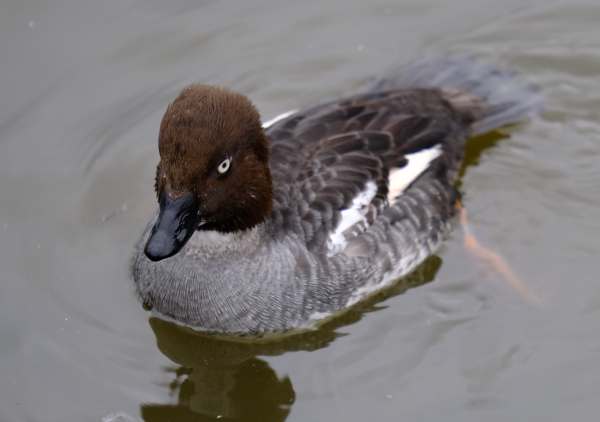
x: 211, y: 243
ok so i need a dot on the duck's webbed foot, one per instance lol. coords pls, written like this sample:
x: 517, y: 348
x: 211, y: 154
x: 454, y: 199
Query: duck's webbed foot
x: 493, y: 259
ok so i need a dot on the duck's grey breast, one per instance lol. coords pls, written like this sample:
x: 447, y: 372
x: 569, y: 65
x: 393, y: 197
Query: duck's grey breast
x: 246, y: 283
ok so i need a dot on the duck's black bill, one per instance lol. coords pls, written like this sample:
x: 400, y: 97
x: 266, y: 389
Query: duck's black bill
x: 177, y: 220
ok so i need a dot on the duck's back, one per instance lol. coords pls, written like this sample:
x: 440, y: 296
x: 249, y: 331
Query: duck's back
x: 373, y: 175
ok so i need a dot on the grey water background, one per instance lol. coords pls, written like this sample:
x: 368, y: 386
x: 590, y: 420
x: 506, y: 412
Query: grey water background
x: 83, y: 87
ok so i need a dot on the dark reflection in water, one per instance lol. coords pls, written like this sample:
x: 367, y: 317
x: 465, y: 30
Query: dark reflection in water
x: 474, y: 148
x: 217, y: 379
x: 224, y: 378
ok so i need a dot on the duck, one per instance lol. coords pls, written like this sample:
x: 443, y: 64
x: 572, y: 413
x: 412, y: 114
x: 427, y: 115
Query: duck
x: 272, y: 228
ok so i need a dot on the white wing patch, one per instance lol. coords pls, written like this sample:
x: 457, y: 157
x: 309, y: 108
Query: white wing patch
x: 401, y: 178
x: 350, y: 216
x: 277, y: 118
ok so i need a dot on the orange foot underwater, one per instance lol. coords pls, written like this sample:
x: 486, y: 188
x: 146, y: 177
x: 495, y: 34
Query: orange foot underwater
x: 493, y: 260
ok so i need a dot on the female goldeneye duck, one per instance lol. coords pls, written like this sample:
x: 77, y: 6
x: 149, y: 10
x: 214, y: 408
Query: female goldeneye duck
x: 268, y: 229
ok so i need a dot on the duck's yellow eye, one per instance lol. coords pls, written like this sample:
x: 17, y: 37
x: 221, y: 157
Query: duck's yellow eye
x: 224, y: 166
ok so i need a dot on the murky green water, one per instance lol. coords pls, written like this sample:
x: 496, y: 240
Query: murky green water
x: 84, y: 85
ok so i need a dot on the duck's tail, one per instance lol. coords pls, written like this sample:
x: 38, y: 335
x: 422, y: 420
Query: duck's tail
x: 497, y: 97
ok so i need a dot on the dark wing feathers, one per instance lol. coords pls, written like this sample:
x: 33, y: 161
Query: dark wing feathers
x: 324, y: 157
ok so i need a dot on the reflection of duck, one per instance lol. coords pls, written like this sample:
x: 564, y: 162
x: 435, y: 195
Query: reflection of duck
x: 222, y: 376
x: 218, y: 378
x: 276, y: 229
x: 249, y: 391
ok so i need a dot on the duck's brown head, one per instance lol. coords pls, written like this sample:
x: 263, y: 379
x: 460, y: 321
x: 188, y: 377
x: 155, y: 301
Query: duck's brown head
x: 213, y: 172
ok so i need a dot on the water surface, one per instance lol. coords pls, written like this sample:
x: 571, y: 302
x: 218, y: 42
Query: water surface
x: 84, y: 85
